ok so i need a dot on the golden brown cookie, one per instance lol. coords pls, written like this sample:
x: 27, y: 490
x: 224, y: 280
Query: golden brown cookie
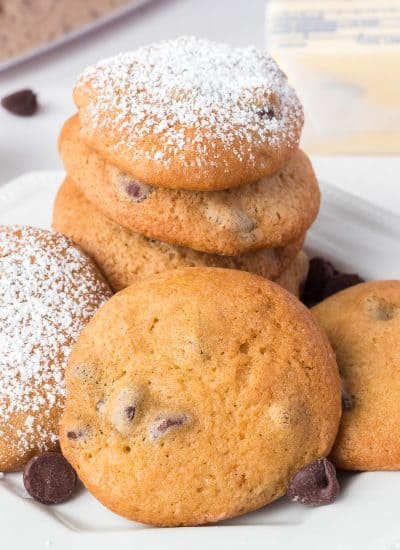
x: 270, y: 213
x: 195, y: 395
x: 190, y: 114
x: 48, y: 291
x: 124, y: 256
x: 363, y: 325
x: 294, y: 276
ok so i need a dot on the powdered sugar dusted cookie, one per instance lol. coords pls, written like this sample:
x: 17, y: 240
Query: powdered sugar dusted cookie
x: 272, y: 212
x: 196, y: 395
x: 190, y: 114
x: 48, y: 292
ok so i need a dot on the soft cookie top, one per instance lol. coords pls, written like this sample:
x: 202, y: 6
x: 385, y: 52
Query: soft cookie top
x: 48, y: 291
x: 195, y: 395
x: 190, y: 114
x: 363, y: 325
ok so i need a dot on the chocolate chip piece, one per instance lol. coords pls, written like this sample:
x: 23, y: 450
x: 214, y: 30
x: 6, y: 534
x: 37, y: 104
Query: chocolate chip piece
x: 315, y: 484
x: 138, y: 192
x: 164, y: 423
x: 73, y: 435
x: 130, y: 412
x: 319, y: 273
x: 122, y: 407
x: 49, y: 478
x: 347, y: 401
x: 21, y: 103
x: 340, y: 282
x: 76, y: 434
x: 269, y: 113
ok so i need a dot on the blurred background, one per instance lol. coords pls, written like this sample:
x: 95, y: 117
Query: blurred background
x: 343, y: 57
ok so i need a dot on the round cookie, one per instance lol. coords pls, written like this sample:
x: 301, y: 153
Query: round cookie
x: 190, y: 114
x: 363, y: 325
x: 48, y: 291
x: 268, y: 213
x: 124, y: 256
x: 195, y: 396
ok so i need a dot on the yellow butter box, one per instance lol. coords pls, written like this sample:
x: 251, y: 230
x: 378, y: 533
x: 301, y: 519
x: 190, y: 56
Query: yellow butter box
x: 343, y: 56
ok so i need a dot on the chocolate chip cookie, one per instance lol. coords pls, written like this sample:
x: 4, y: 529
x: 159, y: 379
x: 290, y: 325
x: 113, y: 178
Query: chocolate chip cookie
x: 190, y: 114
x: 363, y: 325
x: 196, y: 395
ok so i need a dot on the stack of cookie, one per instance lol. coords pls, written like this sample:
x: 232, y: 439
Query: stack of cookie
x: 185, y: 153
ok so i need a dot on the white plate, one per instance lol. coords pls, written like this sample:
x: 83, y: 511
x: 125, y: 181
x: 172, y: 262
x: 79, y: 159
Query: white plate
x: 357, y: 236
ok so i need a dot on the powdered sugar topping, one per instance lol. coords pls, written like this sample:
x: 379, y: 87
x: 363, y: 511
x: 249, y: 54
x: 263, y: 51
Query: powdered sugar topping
x: 191, y: 92
x: 48, y: 292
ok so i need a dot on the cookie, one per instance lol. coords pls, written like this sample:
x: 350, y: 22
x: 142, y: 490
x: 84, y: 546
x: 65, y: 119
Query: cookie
x: 269, y: 213
x: 190, y: 114
x: 196, y: 395
x: 294, y: 277
x: 323, y: 280
x: 363, y: 325
x: 124, y: 256
x: 48, y: 291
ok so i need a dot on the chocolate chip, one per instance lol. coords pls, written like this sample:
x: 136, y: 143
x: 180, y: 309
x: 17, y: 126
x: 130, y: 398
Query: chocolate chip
x: 49, y: 478
x: 122, y: 407
x: 21, y: 103
x: 133, y: 189
x: 315, y: 484
x: 138, y: 192
x: 130, y: 412
x: 340, y: 282
x: 269, y: 113
x: 347, y: 402
x: 75, y: 434
x: 323, y: 280
x: 319, y: 272
x: 164, y: 423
